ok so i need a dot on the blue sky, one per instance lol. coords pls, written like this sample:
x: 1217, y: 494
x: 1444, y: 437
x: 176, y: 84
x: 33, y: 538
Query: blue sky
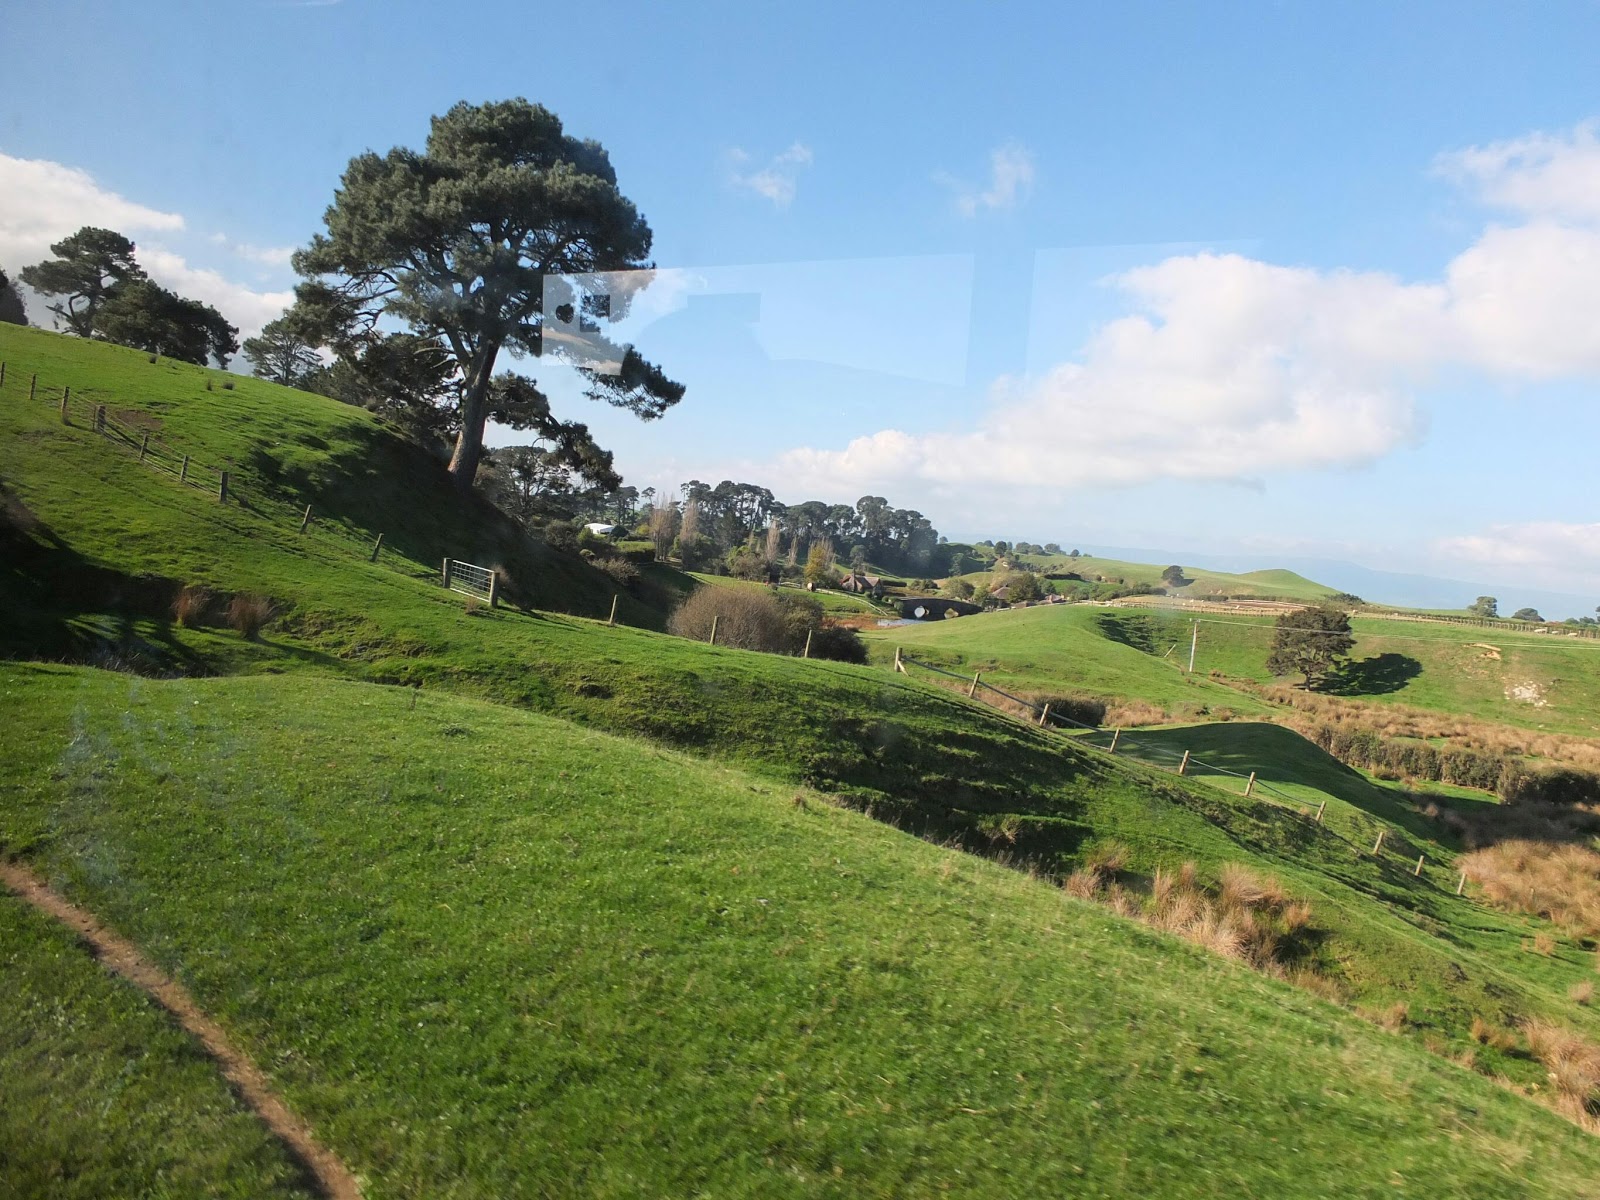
x: 1308, y: 280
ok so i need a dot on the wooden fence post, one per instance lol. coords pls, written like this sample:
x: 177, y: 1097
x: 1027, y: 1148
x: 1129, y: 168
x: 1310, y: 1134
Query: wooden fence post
x: 973, y: 690
x: 1461, y: 883
x: 1183, y: 767
x: 65, y: 418
x: 806, y: 653
x: 1418, y: 871
x: 494, y: 584
x: 713, y: 639
x: 183, y: 472
x: 378, y: 545
x: 144, y: 446
x: 222, y: 489
x: 898, y: 665
x: 1320, y: 807
x: 33, y: 383
x: 1378, y: 845
x: 612, y: 619
x: 2, y: 374
x: 446, y: 557
x: 99, y: 417
x: 1045, y: 715
x: 306, y: 520
x: 1250, y: 784
x: 1115, y: 734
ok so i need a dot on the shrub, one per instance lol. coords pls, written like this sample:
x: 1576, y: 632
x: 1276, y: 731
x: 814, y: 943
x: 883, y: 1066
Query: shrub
x: 248, y: 612
x: 747, y: 618
x: 1084, y: 710
x: 838, y: 643
x: 191, y: 605
x: 620, y: 569
x: 561, y: 536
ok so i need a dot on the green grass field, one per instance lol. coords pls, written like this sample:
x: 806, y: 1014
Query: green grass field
x: 1265, y: 585
x: 1058, y: 648
x: 1529, y: 680
x: 488, y: 954
x: 548, y: 918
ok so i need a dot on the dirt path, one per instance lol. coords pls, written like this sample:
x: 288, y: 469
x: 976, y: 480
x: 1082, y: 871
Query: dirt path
x: 122, y: 957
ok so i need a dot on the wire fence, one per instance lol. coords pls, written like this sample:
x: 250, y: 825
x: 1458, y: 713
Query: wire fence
x: 1122, y: 744
x: 237, y: 490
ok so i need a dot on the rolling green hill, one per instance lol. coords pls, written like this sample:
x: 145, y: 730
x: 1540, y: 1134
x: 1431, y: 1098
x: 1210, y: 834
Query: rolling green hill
x: 1202, y: 585
x: 586, y: 907
x: 487, y: 954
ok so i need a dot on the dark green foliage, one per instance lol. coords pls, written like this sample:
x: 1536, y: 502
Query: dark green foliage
x: 89, y: 267
x: 465, y: 241
x: 1311, y: 642
x: 1074, y: 708
x: 1527, y: 614
x: 1484, y: 606
x: 12, y: 311
x: 283, y: 353
x: 840, y: 643
x: 148, y: 317
x: 1173, y: 575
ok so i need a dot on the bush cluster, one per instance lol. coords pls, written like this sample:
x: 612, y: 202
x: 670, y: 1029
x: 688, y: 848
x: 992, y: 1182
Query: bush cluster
x: 752, y: 619
x: 1505, y: 774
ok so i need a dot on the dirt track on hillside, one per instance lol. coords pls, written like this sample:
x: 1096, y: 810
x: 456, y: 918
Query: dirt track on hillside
x: 122, y: 957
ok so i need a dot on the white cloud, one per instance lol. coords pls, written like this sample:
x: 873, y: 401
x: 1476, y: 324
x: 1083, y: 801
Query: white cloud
x: 42, y: 202
x: 778, y: 180
x: 1540, y: 175
x: 1227, y: 368
x: 1553, y: 553
x: 1011, y: 174
x: 267, y: 256
x: 245, y: 307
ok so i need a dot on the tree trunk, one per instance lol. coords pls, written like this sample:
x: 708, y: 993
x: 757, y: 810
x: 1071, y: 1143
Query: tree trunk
x: 474, y: 415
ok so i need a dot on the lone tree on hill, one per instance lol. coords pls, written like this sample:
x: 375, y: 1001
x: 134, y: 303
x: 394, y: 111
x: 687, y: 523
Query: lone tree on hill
x: 469, y: 240
x: 1311, y: 642
x: 1484, y: 606
x: 88, y: 268
x: 283, y: 353
x: 1527, y: 614
x: 1173, y: 575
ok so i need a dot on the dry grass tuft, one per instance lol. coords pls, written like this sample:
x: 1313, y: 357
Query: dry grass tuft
x: 1573, y: 1062
x: 1241, y: 918
x: 1544, y: 943
x: 1085, y: 885
x: 1396, y: 1017
x: 1581, y: 993
x: 191, y: 605
x: 1487, y: 1033
x: 1559, y: 881
x: 248, y: 612
x: 1108, y: 858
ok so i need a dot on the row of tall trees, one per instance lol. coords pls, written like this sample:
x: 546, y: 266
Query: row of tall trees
x: 746, y: 521
x: 99, y: 290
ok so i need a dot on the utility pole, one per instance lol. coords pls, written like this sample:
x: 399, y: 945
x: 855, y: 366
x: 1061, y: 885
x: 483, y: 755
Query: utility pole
x: 1194, y: 641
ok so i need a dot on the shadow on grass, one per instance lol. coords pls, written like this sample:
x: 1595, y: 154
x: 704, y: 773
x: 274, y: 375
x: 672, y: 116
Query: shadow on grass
x: 62, y: 607
x: 1377, y: 676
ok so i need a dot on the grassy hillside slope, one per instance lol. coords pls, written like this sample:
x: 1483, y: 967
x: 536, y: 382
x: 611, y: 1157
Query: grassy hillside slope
x: 1056, y: 648
x: 488, y: 955
x: 1266, y: 585
x: 95, y: 544
x: 284, y: 449
x: 103, y: 1096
